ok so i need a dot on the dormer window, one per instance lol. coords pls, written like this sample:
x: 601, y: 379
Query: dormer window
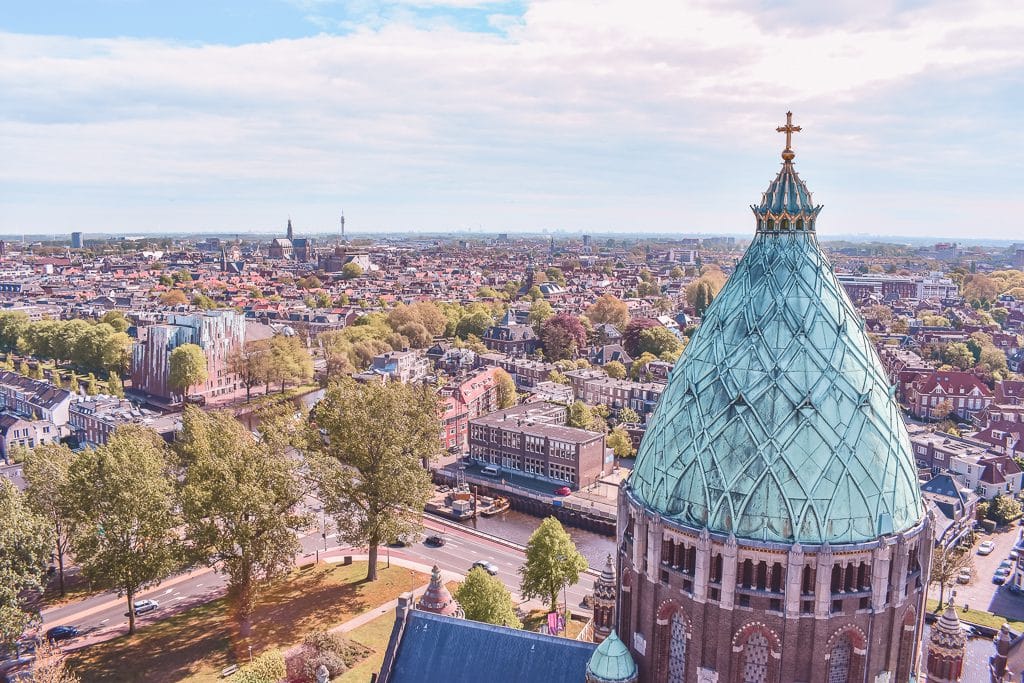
x: 799, y: 223
x: 771, y: 223
x: 785, y: 224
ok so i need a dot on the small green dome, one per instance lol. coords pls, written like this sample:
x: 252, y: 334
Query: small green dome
x: 778, y: 423
x: 611, y: 662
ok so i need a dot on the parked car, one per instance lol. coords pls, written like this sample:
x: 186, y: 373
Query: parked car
x: 486, y: 566
x: 144, y: 606
x: 434, y: 540
x: 986, y: 548
x: 1014, y: 554
x: 1006, y: 564
x: 58, y: 633
x: 563, y: 491
x: 1001, y: 575
x: 964, y: 576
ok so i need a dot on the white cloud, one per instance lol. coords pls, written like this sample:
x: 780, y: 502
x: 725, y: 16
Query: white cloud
x: 548, y: 118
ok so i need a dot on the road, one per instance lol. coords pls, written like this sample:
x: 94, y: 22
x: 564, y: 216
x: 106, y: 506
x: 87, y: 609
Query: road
x: 981, y: 593
x: 103, y: 616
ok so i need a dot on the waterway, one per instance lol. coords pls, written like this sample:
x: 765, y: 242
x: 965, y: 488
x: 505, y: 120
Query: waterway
x: 517, y: 527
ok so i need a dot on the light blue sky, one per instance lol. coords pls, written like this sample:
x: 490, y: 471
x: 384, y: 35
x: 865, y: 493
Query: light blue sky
x: 130, y: 116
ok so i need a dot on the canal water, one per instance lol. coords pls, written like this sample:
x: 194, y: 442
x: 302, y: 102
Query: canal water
x: 517, y: 527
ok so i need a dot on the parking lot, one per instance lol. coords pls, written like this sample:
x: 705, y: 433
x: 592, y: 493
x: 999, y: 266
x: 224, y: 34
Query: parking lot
x: 981, y: 593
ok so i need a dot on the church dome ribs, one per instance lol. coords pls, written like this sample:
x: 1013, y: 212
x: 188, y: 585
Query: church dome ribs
x: 778, y: 423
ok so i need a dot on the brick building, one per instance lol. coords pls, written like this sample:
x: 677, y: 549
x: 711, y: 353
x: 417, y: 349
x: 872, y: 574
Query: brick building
x: 530, y: 440
x: 963, y: 391
x: 463, y: 399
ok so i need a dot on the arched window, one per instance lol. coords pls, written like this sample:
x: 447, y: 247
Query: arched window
x: 755, y: 659
x: 785, y: 224
x: 677, y: 649
x: 799, y: 223
x: 839, y: 662
x: 771, y: 223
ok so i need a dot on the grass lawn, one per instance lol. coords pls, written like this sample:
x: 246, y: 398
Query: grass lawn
x: 980, y: 617
x: 538, y: 617
x: 374, y: 635
x: 195, y: 645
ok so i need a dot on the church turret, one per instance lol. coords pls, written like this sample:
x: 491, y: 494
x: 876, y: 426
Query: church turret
x: 290, y: 234
x: 946, y: 648
x: 438, y: 599
x: 611, y: 663
x: 604, y: 602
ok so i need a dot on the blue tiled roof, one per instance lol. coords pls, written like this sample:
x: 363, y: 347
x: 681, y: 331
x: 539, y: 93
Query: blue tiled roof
x: 438, y: 649
x: 778, y: 422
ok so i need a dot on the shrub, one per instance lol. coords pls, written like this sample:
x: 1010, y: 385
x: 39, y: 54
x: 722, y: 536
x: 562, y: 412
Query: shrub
x: 269, y: 667
x: 329, y: 649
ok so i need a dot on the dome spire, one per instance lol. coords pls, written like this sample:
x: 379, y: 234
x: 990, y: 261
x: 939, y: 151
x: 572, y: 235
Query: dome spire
x: 788, y: 129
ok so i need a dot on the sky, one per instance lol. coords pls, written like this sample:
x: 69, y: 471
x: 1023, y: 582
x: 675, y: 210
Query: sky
x: 132, y: 116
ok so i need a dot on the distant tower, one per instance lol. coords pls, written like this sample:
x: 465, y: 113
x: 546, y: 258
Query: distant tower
x: 342, y: 227
x: 438, y: 599
x: 76, y: 240
x: 290, y: 234
x: 223, y: 260
x: 946, y: 647
x: 604, y: 602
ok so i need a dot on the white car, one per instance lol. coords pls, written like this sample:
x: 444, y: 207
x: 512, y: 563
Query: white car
x: 986, y: 548
x: 964, y: 576
x: 143, y: 606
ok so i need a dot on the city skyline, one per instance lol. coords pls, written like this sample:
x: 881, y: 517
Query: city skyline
x: 426, y: 115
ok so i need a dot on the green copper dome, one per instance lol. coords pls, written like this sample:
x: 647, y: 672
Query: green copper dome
x: 778, y: 423
x: 611, y: 662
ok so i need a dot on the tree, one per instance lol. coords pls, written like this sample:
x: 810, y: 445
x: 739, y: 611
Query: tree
x: 507, y: 396
x: 48, y: 666
x: 46, y: 474
x: 475, y: 323
x: 580, y: 415
x: 239, y: 501
x: 123, y: 512
x: 115, y: 387
x: 288, y: 361
x: 615, y: 369
x: 73, y: 384
x: 173, y: 297
x: 639, y: 369
x: 367, y: 445
x: 187, y: 368
x: 116, y: 320
x: 26, y: 540
x: 540, y: 311
x: 534, y: 293
x: 958, y: 355
x: 563, y: 337
x: 351, y: 271
x: 1004, y: 509
x: 609, y: 309
x: 659, y: 340
x: 943, y: 409
x: 620, y: 442
x: 552, y: 562
x: 337, y: 352
x: 947, y: 564
x: 628, y: 416
x: 631, y: 335
x: 249, y: 362
x: 485, y: 598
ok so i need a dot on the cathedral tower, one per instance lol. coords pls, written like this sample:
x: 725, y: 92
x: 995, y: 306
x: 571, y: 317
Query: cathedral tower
x: 604, y: 602
x: 772, y: 529
x: 946, y: 648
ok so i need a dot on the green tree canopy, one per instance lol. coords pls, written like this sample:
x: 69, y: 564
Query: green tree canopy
x: 507, y: 396
x: 240, y: 500
x: 351, y: 270
x: 187, y: 367
x: 552, y: 562
x: 46, y: 474
x: 367, y: 445
x: 485, y: 598
x: 123, y: 512
x: 26, y: 540
x: 619, y: 441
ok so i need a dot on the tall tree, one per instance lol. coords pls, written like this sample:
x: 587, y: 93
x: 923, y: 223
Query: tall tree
x: 289, y: 361
x: 552, y: 562
x: 46, y: 474
x: 187, y: 368
x: 563, y: 336
x: 485, y: 598
x: 609, y: 309
x: 337, y: 351
x: 620, y: 443
x: 240, y: 501
x: 947, y: 563
x: 123, y: 509
x: 367, y: 445
x: 615, y: 369
x: 540, y: 311
x: 26, y: 541
x: 249, y: 362
x: 631, y: 335
x: 507, y: 396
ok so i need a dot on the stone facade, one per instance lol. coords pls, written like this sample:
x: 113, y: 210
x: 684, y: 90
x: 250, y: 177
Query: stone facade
x: 696, y: 606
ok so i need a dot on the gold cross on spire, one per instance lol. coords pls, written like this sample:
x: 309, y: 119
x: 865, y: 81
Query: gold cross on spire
x: 788, y: 129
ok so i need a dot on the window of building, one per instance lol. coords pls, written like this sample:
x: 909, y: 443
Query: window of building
x: 839, y: 662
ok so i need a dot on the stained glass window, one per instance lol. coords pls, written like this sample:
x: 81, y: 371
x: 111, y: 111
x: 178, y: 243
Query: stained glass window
x: 677, y: 649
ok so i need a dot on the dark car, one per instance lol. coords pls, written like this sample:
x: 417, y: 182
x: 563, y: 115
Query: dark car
x: 434, y: 540
x: 61, y: 633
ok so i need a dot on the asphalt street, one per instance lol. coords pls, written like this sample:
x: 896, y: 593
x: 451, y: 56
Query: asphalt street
x: 103, y: 616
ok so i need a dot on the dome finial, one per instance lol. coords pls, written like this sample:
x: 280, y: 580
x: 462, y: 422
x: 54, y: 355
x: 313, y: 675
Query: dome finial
x: 788, y: 129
